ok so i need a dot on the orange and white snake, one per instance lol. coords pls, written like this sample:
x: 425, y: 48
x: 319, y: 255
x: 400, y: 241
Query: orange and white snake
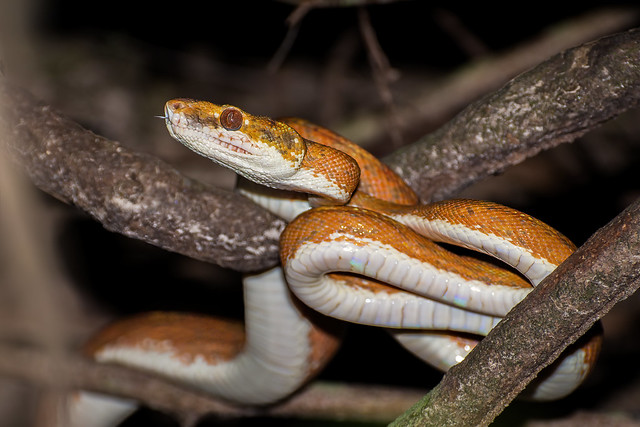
x: 366, y: 223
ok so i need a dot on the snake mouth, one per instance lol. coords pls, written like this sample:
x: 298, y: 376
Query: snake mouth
x: 204, y: 136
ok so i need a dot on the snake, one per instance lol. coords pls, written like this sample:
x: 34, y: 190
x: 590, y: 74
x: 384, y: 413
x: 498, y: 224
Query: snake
x: 359, y: 248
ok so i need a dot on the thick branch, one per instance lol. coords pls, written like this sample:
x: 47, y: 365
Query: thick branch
x: 136, y: 194
x: 604, y: 271
x: 555, y: 102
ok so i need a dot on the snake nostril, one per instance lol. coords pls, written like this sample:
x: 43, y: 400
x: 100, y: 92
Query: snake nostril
x: 231, y: 118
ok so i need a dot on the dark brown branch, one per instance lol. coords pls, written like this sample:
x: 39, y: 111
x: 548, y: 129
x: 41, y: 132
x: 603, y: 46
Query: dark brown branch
x: 555, y: 102
x: 136, y: 194
x: 603, y: 272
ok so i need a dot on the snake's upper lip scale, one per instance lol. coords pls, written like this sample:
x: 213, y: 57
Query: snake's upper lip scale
x: 232, y: 144
x: 180, y: 125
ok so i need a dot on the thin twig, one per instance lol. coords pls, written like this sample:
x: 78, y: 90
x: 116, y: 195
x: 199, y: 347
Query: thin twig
x: 437, y: 101
x: 294, y: 21
x: 468, y: 42
x: 333, y: 76
x: 383, y: 74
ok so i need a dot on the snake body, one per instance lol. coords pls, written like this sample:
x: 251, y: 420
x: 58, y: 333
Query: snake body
x: 277, y: 349
x: 366, y: 223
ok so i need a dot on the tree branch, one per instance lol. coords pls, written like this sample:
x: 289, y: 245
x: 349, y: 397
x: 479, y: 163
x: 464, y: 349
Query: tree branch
x: 603, y: 272
x: 555, y: 102
x: 136, y: 194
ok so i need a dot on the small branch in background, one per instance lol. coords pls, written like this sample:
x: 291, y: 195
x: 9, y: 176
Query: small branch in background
x: 293, y: 27
x: 294, y: 21
x: 435, y: 102
x: 283, y: 50
x: 334, y: 81
x: 301, y: 11
x: 468, y: 42
x: 383, y: 74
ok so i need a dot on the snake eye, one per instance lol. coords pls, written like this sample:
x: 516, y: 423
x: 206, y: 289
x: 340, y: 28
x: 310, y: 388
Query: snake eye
x: 231, y: 118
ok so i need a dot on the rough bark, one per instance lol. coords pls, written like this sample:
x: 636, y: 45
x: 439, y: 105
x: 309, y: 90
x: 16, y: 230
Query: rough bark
x: 555, y: 102
x: 604, y: 271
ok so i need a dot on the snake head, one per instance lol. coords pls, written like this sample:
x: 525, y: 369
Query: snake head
x: 260, y: 149
x: 263, y: 150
